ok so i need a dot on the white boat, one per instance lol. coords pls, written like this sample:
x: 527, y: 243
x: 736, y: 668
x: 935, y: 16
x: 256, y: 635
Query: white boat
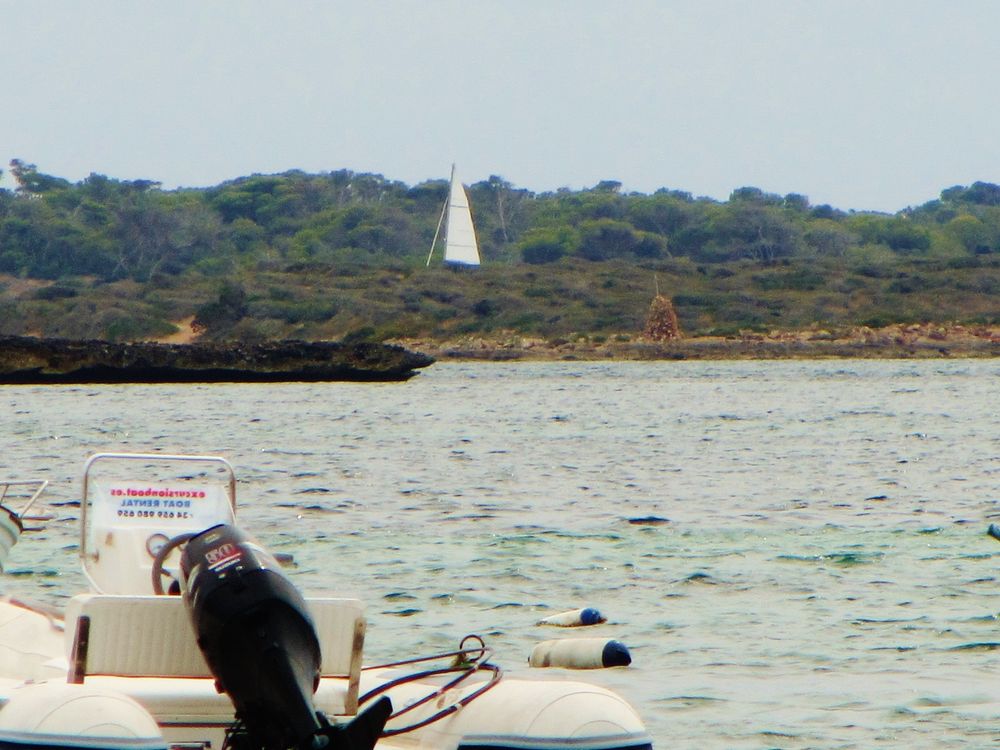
x: 13, y: 493
x: 460, y: 244
x: 191, y: 637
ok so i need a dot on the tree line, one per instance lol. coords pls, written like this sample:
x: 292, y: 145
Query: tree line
x: 552, y: 261
x: 113, y: 229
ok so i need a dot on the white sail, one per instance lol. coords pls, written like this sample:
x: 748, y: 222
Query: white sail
x: 460, y: 245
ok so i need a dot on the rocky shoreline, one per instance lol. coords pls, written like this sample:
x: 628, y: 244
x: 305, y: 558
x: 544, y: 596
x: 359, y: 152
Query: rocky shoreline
x: 925, y: 341
x: 30, y: 360
x: 25, y: 359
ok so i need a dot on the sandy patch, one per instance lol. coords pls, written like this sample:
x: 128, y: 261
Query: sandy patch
x: 185, y: 333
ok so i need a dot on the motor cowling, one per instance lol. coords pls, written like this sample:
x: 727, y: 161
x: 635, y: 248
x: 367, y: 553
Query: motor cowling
x: 260, y: 643
x: 256, y: 634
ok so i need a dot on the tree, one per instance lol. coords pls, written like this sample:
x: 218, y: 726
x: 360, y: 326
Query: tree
x: 501, y: 214
x: 548, y: 245
x: 979, y: 193
x: 797, y: 202
x: 829, y: 238
x: 900, y: 233
x: 826, y: 211
x: 749, y: 229
x: 39, y: 240
x: 649, y: 245
x: 608, y: 186
x: 755, y: 195
x: 602, y: 239
x: 662, y: 214
x: 971, y: 232
x: 6, y: 199
x: 30, y: 180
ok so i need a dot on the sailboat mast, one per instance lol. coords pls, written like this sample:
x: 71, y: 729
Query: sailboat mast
x: 444, y: 210
x: 437, y: 231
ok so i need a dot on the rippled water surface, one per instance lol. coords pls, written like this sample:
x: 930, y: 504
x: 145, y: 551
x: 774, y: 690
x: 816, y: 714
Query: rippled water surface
x: 794, y: 552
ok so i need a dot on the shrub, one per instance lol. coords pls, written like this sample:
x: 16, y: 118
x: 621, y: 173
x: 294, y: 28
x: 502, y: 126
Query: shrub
x: 306, y: 311
x: 226, y: 311
x: 908, y: 284
x: 485, y: 307
x: 54, y: 292
x: 542, y: 252
x: 128, y: 326
x: 539, y: 292
x: 359, y: 335
x: 696, y: 300
x: 802, y: 279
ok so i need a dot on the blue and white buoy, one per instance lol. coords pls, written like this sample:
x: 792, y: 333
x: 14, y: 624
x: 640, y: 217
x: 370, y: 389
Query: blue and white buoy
x: 580, y: 653
x: 574, y: 618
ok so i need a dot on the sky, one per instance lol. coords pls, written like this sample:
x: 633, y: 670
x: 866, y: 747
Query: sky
x: 860, y: 104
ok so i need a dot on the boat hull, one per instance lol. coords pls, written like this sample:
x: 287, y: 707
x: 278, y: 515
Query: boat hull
x: 518, y: 713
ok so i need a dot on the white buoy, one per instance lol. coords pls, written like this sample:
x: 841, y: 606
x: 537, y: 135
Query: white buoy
x: 574, y: 618
x: 580, y: 653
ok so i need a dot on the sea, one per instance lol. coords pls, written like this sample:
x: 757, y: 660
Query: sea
x: 795, y: 553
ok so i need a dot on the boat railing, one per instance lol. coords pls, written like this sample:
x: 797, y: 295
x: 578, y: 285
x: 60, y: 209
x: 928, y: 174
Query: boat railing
x: 26, y: 492
x: 17, y: 496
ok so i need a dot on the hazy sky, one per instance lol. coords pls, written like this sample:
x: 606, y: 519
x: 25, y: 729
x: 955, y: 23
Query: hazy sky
x: 865, y: 104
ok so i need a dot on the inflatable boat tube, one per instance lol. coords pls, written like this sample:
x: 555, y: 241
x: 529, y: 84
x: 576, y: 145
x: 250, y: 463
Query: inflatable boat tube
x: 574, y: 618
x: 580, y: 653
x: 518, y: 713
x: 64, y: 715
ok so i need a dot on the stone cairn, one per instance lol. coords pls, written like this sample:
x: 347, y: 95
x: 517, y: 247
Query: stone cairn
x: 661, y: 322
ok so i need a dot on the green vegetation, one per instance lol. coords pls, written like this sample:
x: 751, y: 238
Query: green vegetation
x: 341, y: 254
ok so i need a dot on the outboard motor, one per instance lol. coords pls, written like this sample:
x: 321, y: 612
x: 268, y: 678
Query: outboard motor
x: 260, y: 643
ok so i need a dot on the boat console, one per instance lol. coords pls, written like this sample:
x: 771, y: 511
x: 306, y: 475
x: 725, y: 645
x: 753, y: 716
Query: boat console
x: 230, y: 622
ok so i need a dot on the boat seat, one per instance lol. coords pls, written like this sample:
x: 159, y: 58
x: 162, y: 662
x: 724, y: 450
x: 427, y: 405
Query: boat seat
x: 150, y: 640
